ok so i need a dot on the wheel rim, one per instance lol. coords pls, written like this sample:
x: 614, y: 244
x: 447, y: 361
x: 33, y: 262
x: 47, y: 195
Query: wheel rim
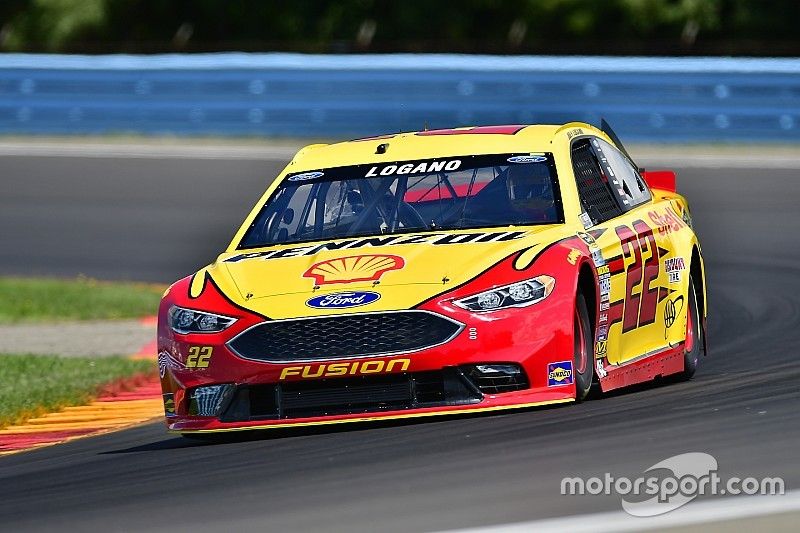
x: 580, y: 345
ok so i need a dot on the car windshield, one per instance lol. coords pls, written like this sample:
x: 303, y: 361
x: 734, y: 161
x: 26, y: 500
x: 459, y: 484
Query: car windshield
x: 409, y: 196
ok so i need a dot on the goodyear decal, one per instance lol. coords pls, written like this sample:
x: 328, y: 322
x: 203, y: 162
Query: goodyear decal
x: 559, y: 374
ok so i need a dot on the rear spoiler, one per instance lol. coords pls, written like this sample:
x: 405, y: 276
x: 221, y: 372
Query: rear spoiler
x: 660, y: 179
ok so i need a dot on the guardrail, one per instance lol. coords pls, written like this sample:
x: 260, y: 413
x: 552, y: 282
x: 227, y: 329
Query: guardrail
x: 295, y: 95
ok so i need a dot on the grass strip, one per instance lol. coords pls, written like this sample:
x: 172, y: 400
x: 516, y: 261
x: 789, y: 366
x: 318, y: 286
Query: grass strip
x: 37, y: 300
x: 32, y: 385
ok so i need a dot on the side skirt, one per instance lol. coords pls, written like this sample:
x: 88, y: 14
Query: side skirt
x: 642, y: 369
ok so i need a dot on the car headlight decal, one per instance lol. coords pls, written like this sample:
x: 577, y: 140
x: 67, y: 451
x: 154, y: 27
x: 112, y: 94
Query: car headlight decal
x: 184, y: 321
x: 518, y: 294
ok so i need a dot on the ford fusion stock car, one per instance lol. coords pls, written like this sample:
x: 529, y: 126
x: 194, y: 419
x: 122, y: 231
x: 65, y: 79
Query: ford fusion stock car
x: 438, y: 272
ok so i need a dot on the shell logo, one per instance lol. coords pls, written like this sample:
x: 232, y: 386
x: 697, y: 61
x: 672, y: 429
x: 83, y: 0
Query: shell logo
x: 353, y: 268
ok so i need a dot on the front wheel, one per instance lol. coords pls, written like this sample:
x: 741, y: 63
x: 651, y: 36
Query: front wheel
x: 584, y: 350
x: 694, y: 336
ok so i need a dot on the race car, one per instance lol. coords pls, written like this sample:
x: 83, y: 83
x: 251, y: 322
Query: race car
x: 438, y: 272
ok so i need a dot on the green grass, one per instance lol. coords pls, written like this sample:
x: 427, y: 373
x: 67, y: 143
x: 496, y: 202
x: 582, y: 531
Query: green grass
x: 31, y: 385
x: 37, y: 300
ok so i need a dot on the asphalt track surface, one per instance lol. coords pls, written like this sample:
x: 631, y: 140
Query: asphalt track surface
x: 158, y: 219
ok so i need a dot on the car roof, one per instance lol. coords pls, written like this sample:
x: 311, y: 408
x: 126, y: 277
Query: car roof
x: 514, y: 138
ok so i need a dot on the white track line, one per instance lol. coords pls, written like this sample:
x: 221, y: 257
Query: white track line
x: 705, y: 512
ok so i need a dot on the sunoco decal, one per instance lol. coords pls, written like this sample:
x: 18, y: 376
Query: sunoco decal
x: 559, y: 374
x: 343, y: 300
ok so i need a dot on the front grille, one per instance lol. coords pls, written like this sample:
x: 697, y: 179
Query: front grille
x: 338, y: 396
x: 345, y: 336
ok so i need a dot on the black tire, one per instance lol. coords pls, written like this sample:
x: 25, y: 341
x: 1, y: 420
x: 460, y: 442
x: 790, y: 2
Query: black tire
x: 694, y: 336
x: 583, y: 353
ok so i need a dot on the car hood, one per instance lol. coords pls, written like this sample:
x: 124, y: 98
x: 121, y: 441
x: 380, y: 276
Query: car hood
x: 404, y: 270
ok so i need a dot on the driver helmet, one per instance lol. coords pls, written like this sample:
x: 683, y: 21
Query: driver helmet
x: 530, y: 191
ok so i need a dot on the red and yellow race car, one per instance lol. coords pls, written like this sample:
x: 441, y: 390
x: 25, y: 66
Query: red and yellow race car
x: 438, y: 272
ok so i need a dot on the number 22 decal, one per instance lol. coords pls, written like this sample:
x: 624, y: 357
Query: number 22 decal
x: 199, y: 356
x: 639, y: 308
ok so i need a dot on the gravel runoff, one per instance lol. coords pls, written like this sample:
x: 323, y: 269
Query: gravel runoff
x: 74, y: 339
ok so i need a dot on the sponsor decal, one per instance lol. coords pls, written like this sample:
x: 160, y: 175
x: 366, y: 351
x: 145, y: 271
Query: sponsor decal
x: 306, y: 176
x: 605, y: 284
x: 559, y: 374
x: 169, y: 404
x: 600, y: 349
x: 424, y: 167
x: 165, y: 361
x: 603, y: 318
x: 162, y: 364
x: 672, y: 309
x: 353, y: 268
x: 527, y: 159
x: 199, y: 356
x: 601, y: 368
x: 587, y: 238
x: 667, y: 221
x: 687, y: 217
x: 433, y: 239
x: 674, y: 266
x: 602, y: 333
x: 357, y: 368
x: 573, y: 256
x: 343, y: 300
x: 597, y: 258
x: 604, y: 306
x: 473, y: 334
x: 571, y: 134
x: 586, y: 220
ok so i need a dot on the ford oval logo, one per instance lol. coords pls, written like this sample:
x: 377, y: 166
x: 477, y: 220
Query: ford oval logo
x: 343, y: 300
x: 306, y: 176
x: 527, y: 159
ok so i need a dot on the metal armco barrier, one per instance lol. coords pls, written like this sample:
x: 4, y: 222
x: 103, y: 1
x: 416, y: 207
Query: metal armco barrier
x: 295, y: 95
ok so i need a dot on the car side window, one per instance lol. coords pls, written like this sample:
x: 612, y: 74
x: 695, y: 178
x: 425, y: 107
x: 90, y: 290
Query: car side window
x: 597, y: 198
x: 626, y: 183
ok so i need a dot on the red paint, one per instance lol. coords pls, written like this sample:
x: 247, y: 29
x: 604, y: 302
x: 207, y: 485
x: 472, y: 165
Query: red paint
x: 442, y: 193
x: 660, y: 179
x: 22, y: 441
